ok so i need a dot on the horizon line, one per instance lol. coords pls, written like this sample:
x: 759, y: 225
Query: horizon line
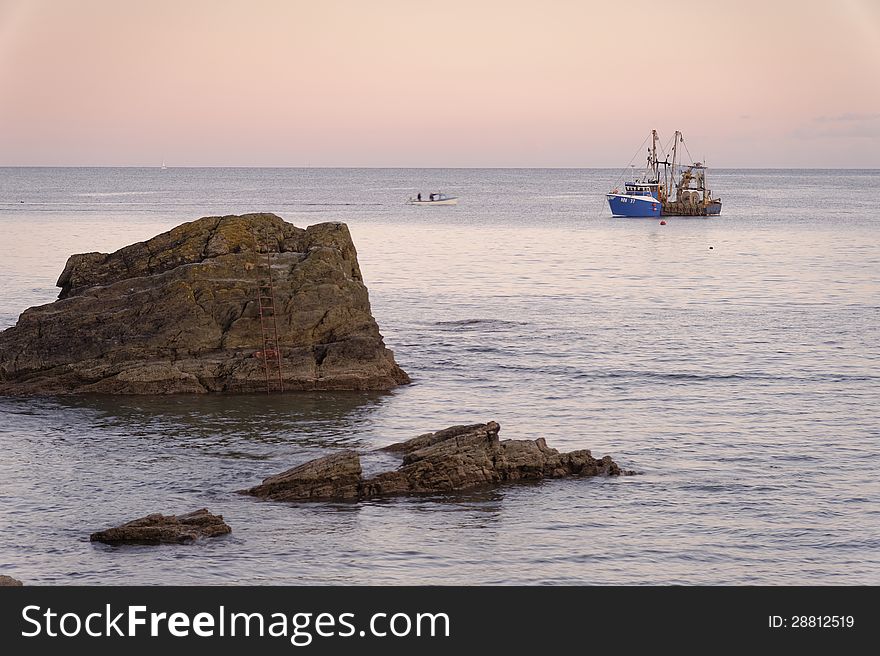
x: 239, y: 166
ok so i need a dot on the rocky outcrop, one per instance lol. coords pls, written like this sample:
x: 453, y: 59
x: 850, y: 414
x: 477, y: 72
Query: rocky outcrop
x: 337, y: 476
x: 9, y: 582
x: 165, y: 529
x: 181, y: 313
x: 450, y: 460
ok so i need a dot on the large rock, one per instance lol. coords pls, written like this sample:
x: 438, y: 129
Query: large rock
x: 180, y: 313
x: 9, y: 582
x: 165, y: 529
x: 454, y: 459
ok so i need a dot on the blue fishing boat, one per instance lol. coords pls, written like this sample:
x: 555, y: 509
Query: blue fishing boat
x: 648, y: 195
x: 639, y: 198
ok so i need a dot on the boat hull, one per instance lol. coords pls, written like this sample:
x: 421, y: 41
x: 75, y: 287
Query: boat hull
x: 633, y: 206
x: 445, y: 201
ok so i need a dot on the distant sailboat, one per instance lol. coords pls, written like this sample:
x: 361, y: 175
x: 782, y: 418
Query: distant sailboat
x: 163, y: 167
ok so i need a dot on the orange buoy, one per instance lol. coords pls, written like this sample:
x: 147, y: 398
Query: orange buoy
x: 663, y: 223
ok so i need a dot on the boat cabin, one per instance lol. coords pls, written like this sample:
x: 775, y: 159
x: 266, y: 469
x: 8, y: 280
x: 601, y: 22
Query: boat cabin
x: 642, y: 188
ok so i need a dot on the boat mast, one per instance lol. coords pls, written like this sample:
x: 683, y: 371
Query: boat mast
x: 675, y: 139
x: 654, y: 155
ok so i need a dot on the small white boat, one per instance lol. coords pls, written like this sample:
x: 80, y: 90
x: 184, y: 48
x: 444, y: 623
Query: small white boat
x: 433, y: 199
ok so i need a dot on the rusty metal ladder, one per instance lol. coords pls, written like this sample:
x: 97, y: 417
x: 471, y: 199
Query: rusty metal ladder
x: 271, y: 353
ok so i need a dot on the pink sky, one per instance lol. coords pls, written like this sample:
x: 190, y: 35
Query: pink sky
x: 455, y: 83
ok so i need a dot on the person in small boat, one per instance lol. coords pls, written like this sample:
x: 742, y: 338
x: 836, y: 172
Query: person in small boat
x: 419, y: 197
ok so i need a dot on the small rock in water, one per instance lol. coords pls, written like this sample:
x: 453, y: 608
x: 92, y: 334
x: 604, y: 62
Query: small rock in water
x: 165, y: 529
x: 454, y: 459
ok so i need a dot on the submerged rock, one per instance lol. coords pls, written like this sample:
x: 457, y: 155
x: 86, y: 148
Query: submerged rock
x: 450, y: 460
x: 9, y: 582
x: 181, y: 313
x: 165, y: 529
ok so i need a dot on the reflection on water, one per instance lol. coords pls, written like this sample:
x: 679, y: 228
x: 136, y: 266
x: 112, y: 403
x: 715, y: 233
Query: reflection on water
x: 324, y: 420
x: 740, y: 380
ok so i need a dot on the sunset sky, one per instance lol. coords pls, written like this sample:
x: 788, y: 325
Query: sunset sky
x: 443, y: 83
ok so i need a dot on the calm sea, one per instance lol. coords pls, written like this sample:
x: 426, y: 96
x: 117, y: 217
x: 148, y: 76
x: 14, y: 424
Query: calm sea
x: 733, y: 361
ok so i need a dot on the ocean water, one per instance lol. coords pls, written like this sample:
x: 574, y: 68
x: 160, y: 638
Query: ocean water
x: 734, y: 362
